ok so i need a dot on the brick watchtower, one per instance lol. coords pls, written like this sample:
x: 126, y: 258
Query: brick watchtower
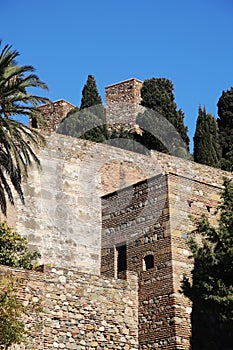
x: 123, y: 102
x: 144, y: 230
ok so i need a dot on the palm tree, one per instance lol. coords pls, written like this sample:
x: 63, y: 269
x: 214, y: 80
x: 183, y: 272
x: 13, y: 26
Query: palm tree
x: 17, y: 141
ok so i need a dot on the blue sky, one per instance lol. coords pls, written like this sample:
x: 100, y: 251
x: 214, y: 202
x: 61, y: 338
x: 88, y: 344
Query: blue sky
x: 187, y: 41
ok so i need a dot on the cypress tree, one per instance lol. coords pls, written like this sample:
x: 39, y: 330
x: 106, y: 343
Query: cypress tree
x: 181, y: 128
x: 206, y: 140
x: 225, y: 123
x: 90, y: 94
x: 87, y: 122
x: 157, y: 95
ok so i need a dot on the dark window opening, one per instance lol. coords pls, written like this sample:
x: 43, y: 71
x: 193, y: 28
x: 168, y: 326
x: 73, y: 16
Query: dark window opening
x: 190, y: 202
x: 148, y: 262
x: 121, y: 258
x: 34, y: 123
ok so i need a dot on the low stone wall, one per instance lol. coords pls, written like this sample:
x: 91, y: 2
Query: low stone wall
x: 80, y: 311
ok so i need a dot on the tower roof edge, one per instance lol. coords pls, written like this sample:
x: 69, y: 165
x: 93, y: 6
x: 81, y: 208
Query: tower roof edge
x: 124, y: 81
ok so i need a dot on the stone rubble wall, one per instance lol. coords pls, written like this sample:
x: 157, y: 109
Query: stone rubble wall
x: 53, y: 114
x: 78, y: 311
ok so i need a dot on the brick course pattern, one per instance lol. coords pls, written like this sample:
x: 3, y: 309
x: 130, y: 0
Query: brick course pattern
x: 79, y: 311
x: 151, y: 221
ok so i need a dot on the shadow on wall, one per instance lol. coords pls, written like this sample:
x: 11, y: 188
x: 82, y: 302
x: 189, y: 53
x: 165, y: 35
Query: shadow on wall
x: 208, y: 333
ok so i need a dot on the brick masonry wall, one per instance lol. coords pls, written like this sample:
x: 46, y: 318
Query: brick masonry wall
x: 142, y: 223
x: 123, y: 102
x: 79, y: 311
x: 132, y: 219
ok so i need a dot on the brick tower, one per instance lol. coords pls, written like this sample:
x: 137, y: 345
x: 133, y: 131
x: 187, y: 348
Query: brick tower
x: 123, y: 102
x: 145, y: 230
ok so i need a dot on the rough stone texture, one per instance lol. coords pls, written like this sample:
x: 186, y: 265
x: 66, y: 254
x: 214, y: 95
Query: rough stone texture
x: 53, y: 113
x: 62, y: 215
x: 79, y: 311
x: 123, y: 102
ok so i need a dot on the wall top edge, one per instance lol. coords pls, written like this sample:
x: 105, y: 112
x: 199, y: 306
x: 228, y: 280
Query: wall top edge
x: 124, y: 81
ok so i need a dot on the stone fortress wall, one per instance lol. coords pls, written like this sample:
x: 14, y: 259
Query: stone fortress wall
x: 142, y: 205
x: 62, y: 214
x: 146, y: 205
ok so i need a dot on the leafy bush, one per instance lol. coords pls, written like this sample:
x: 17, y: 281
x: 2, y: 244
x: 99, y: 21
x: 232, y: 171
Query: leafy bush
x: 12, y: 327
x: 14, y: 250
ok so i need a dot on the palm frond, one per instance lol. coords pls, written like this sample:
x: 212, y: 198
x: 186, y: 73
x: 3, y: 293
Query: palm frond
x: 17, y: 141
